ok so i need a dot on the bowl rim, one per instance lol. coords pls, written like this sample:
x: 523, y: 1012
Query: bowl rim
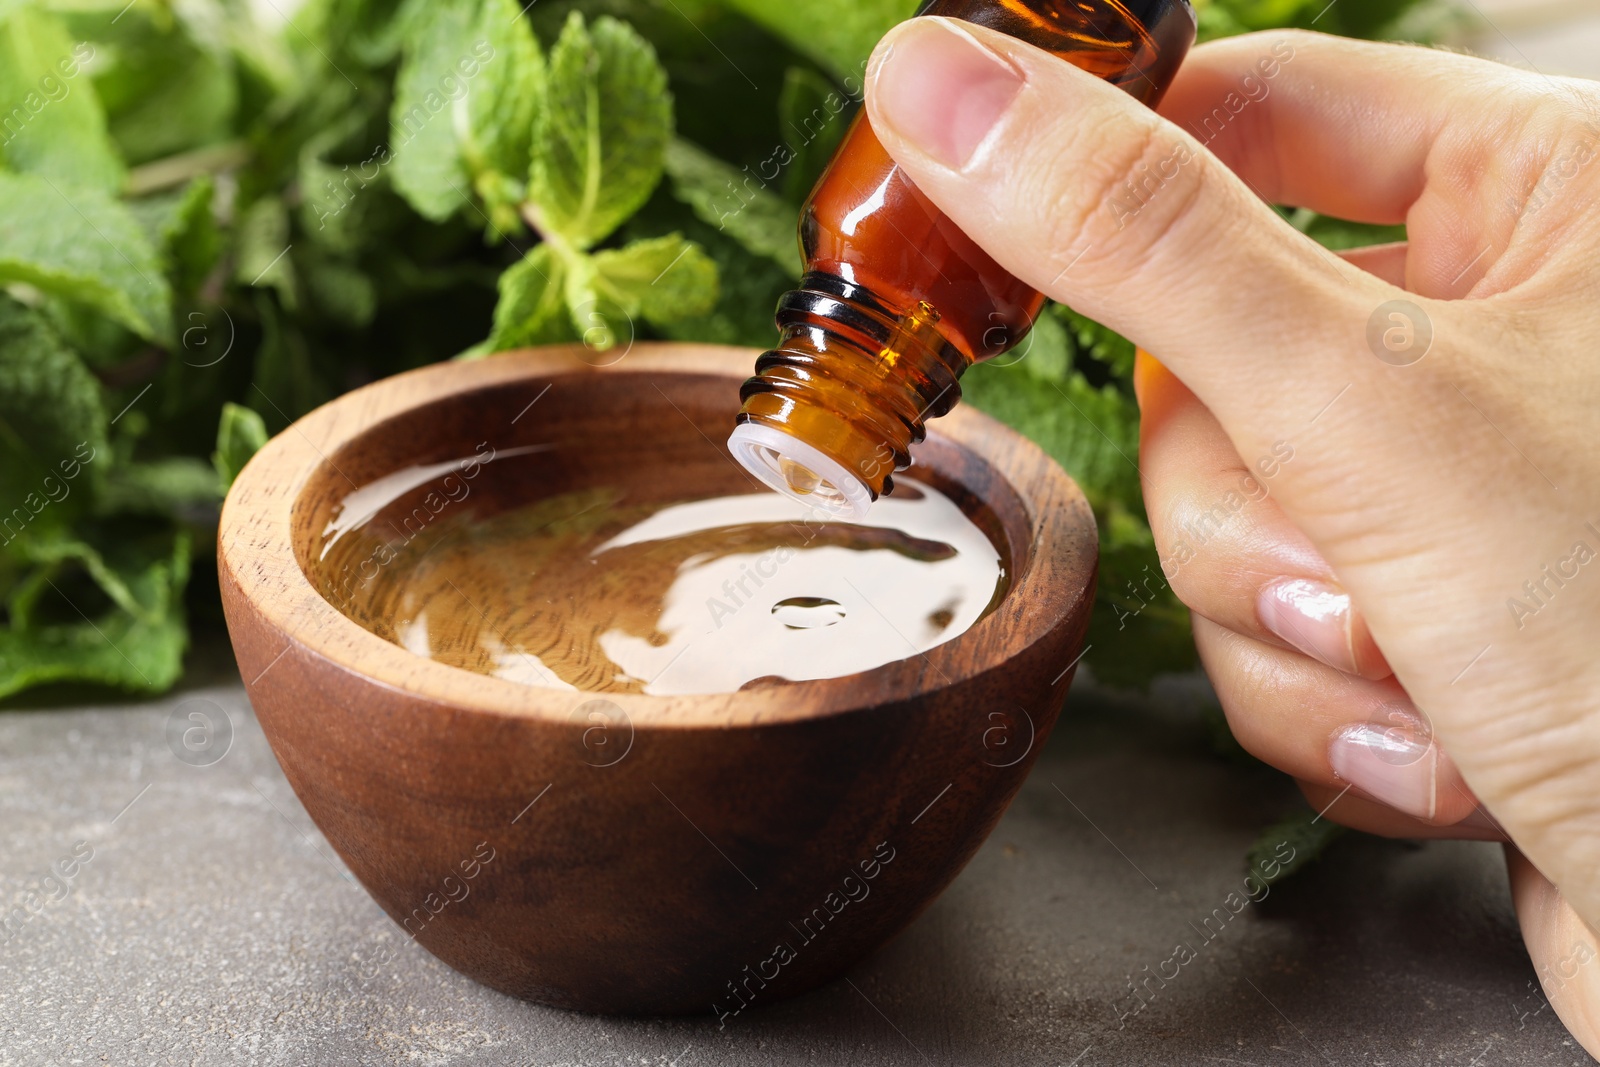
x: 256, y: 551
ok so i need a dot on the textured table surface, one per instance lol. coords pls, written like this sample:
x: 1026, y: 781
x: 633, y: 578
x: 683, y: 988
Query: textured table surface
x: 213, y: 925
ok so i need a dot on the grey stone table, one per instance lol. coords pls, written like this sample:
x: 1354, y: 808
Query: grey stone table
x: 207, y: 922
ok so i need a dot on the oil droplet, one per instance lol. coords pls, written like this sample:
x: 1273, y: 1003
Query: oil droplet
x: 802, y: 480
x: 808, y: 612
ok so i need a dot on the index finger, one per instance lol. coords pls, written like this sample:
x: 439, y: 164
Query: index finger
x: 1345, y: 128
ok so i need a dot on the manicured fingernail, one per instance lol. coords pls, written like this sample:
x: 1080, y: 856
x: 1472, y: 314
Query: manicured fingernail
x: 1393, y: 760
x: 942, y: 90
x: 1318, y: 619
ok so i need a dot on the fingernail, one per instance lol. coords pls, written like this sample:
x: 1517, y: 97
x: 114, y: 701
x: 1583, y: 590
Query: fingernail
x: 1394, y: 761
x: 1318, y: 619
x: 936, y: 86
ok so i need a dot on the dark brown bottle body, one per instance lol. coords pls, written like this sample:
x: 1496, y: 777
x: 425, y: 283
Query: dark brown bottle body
x: 897, y: 302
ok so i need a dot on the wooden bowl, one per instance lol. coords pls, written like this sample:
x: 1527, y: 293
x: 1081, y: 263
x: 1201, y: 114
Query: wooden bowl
x: 745, y: 846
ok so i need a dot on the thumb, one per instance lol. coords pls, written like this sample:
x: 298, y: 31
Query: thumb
x: 1093, y: 199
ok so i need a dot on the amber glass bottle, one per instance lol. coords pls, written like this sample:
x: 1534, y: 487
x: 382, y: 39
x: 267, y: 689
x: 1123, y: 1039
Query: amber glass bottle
x: 897, y: 302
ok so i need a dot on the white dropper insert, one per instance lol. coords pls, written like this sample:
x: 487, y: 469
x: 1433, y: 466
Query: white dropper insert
x: 799, y: 471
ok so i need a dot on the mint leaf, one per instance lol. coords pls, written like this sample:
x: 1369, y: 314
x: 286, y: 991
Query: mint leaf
x: 601, y: 142
x: 735, y: 203
x: 1291, y: 845
x: 1427, y: 21
x: 191, y: 242
x: 532, y: 309
x: 1097, y: 342
x: 339, y: 208
x: 191, y: 103
x: 749, y: 287
x: 335, y: 200
x: 342, y: 292
x: 1378, y: 19
x: 54, y: 125
x: 179, y: 487
x: 181, y: 227
x: 1265, y: 14
x: 52, y: 554
x: 52, y: 426
x: 428, y: 169
x: 375, y: 36
x: 598, y: 319
x: 287, y: 376
x: 1092, y: 432
x: 664, y: 279
x: 1139, y: 629
x: 100, y: 342
x: 815, y: 117
x: 82, y: 246
x: 241, y: 433
x: 1339, y: 235
x: 839, y: 34
x: 465, y: 102
x: 117, y: 650
x: 1216, y: 21
x: 167, y: 84
x: 503, y: 102
x: 261, y: 250
x: 1045, y: 354
x: 135, y: 643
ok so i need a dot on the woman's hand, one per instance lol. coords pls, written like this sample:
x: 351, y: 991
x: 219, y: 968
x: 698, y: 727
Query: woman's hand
x: 1374, y: 478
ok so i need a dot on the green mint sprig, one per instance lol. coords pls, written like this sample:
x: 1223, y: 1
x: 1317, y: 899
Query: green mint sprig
x: 568, y: 147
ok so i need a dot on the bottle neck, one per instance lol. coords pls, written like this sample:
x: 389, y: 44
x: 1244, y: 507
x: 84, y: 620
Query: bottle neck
x: 899, y: 301
x: 854, y: 377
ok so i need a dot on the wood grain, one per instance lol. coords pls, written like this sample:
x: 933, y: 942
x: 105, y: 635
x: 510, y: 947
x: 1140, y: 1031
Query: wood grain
x: 744, y: 846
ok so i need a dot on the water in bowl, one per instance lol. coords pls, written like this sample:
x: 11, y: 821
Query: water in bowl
x: 592, y: 591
